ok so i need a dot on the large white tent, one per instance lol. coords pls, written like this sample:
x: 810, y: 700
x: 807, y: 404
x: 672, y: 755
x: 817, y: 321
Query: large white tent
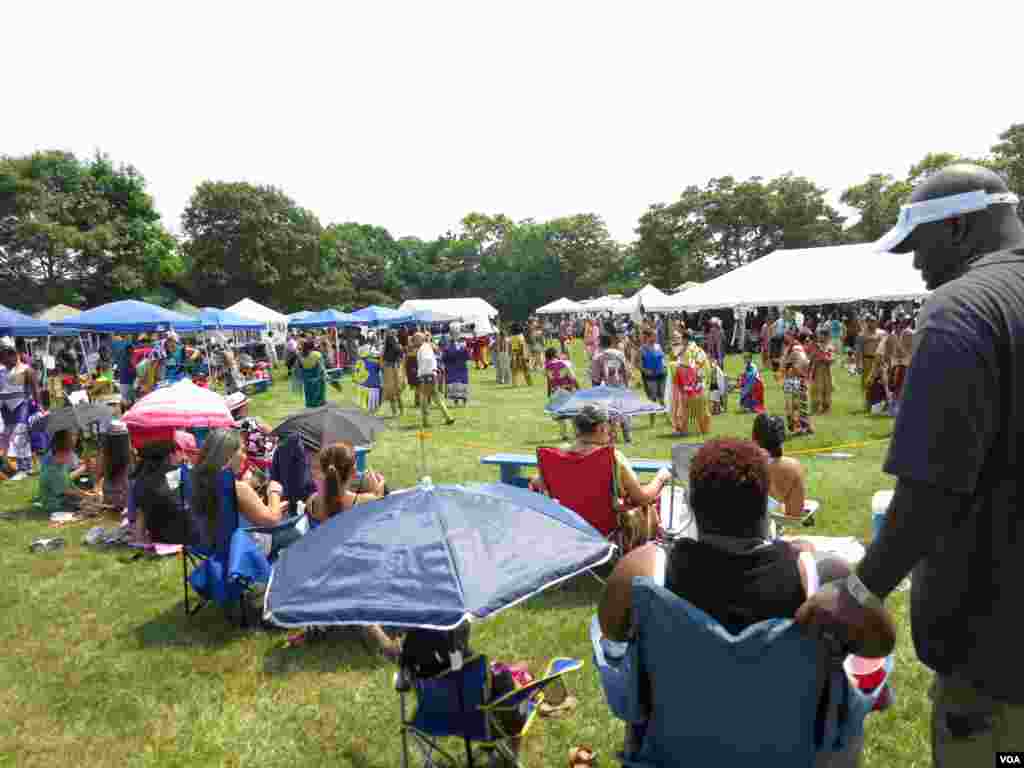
x: 252, y: 310
x: 471, y: 310
x: 809, y: 276
x: 603, y: 304
x: 559, y: 307
x: 647, y: 295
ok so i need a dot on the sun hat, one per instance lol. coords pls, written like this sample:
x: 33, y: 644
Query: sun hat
x: 937, y: 209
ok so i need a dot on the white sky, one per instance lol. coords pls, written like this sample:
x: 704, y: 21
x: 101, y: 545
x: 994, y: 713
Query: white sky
x: 409, y: 115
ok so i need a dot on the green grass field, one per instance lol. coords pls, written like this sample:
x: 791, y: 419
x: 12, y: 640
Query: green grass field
x: 101, y: 666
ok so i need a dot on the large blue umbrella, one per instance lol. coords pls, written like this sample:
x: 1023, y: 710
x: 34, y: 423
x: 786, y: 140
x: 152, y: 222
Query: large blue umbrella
x: 13, y: 323
x: 130, y: 317
x: 432, y: 557
x: 329, y: 318
x: 616, y: 400
x: 214, y: 319
x: 382, y: 316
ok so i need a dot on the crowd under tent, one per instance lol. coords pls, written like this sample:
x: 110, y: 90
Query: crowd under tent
x: 252, y: 310
x: 560, y: 306
x: 473, y: 311
x: 806, y: 277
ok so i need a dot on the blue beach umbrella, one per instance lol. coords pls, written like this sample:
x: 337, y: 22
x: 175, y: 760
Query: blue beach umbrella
x: 616, y: 400
x: 431, y: 557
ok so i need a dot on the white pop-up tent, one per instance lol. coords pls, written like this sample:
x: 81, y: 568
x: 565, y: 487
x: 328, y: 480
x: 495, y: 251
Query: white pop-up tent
x: 809, y: 276
x: 252, y: 310
x: 473, y: 311
x: 645, y: 296
x: 559, y: 307
x: 603, y: 304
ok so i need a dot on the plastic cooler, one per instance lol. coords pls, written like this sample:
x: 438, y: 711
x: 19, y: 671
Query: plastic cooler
x: 879, y: 506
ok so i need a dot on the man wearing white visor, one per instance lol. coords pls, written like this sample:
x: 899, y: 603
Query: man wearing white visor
x: 957, y: 518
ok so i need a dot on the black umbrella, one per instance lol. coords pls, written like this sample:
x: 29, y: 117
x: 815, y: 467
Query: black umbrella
x: 78, y: 418
x: 329, y: 424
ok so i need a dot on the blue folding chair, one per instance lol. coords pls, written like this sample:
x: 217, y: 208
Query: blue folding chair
x: 455, y: 704
x: 694, y: 694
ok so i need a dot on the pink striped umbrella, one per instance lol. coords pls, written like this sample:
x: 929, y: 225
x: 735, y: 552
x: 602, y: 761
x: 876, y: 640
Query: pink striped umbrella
x: 183, y: 406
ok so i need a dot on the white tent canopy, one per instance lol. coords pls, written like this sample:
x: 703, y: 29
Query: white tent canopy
x: 809, y: 276
x: 686, y: 286
x: 252, y: 310
x: 603, y: 304
x: 472, y: 310
x: 646, y: 296
x: 559, y: 307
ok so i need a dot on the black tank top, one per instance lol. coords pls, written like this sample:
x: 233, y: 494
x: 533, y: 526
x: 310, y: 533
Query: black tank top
x: 736, y: 589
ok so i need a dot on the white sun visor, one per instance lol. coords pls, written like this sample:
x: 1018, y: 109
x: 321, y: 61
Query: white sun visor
x: 938, y: 209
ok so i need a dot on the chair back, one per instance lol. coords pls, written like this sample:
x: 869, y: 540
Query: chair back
x: 682, y: 455
x: 723, y: 699
x: 585, y: 483
x: 450, y: 704
x: 227, y: 512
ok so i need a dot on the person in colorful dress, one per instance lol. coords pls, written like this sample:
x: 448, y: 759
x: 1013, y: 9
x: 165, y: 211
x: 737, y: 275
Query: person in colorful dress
x: 689, y: 396
x: 751, y: 387
x: 870, y: 342
x: 518, y: 353
x: 174, y: 358
x: 713, y: 342
x: 456, y: 365
x: 18, y: 389
x: 611, y: 368
x: 592, y: 337
x: 560, y: 378
x: 535, y: 339
x: 822, y: 356
x: 367, y: 376
x: 565, y: 334
x: 795, y: 369
x: 897, y: 353
x: 312, y: 375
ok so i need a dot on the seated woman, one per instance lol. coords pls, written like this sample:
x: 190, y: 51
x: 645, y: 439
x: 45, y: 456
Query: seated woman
x: 60, y: 469
x: 336, y: 482
x: 593, y: 431
x: 335, y: 496
x: 751, y: 387
x: 223, y: 449
x: 785, y: 474
x: 156, y: 511
x: 732, y: 573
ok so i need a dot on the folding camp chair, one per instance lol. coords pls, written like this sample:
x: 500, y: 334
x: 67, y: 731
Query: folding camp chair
x: 455, y: 704
x: 790, y: 701
x: 679, y: 521
x: 805, y: 518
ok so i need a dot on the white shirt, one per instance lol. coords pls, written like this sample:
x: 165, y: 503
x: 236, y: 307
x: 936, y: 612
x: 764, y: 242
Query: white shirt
x: 426, y: 361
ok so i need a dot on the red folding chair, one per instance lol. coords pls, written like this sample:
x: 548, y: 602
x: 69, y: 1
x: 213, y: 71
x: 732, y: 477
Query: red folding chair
x: 585, y: 483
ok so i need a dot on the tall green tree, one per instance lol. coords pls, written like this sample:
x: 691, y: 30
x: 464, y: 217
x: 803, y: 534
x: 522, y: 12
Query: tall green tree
x: 367, y: 255
x: 74, y: 231
x: 254, y: 241
x: 878, y: 201
x: 1008, y: 158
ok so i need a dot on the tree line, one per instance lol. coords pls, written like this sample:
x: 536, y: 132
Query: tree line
x: 85, y: 232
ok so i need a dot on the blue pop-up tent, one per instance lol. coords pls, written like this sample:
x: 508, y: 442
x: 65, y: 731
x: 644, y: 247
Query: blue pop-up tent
x: 329, y: 318
x: 130, y: 317
x: 221, y: 319
x: 13, y: 323
x: 382, y: 316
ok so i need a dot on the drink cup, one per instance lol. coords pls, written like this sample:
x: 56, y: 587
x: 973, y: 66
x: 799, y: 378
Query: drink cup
x: 867, y: 673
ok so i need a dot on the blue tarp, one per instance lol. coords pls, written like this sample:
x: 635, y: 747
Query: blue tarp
x: 378, y: 316
x: 13, y: 323
x: 431, y: 556
x: 214, y: 319
x: 329, y: 318
x: 130, y: 317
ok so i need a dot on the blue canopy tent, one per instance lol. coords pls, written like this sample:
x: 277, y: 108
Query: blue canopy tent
x: 13, y: 323
x: 214, y: 319
x: 377, y: 317
x: 328, y: 318
x: 299, y: 315
x: 130, y: 317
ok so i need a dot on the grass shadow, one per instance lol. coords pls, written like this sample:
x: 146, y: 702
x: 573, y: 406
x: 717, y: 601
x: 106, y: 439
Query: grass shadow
x: 339, y: 647
x: 209, y: 628
x: 580, y: 592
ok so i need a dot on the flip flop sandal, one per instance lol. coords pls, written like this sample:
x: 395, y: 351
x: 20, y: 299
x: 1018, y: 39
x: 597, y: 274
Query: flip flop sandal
x: 580, y: 757
x: 563, y: 709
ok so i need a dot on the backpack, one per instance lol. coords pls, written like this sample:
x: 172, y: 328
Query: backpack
x: 426, y: 652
